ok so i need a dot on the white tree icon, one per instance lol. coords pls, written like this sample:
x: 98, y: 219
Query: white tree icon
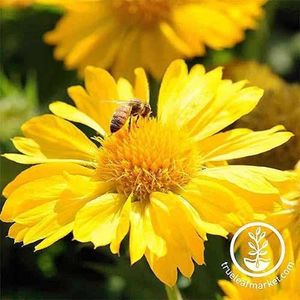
x: 258, y: 263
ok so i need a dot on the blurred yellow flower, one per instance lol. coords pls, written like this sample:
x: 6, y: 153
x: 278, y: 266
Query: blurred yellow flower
x: 280, y: 104
x: 125, y: 34
x: 26, y: 3
x: 165, y: 181
x: 287, y: 289
x: 15, y: 3
x: 258, y: 74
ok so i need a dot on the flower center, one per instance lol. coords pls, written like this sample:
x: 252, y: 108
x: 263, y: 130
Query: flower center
x: 143, y: 11
x: 150, y: 157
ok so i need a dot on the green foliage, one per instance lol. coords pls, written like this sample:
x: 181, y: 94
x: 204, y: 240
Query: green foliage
x: 17, y: 104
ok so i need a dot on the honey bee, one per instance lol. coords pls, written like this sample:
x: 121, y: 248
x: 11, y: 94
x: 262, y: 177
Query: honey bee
x: 127, y: 110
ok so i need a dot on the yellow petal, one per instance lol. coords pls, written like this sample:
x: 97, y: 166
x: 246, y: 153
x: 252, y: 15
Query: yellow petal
x: 37, y: 186
x: 229, y: 104
x: 71, y: 113
x: 185, y: 264
x: 123, y: 226
x: 100, y: 84
x: 191, y: 213
x: 30, y: 160
x: 28, y: 146
x: 85, y: 103
x: 178, y: 228
x: 238, y: 143
x: 31, y: 195
x: 203, y: 29
x: 251, y: 178
x: 98, y: 220
x: 194, y: 93
x: 155, y: 243
x: 32, y: 198
x: 183, y: 243
x: 59, y: 234
x: 291, y: 282
x: 96, y: 101
x: 56, y: 138
x: 44, y: 170
x: 163, y: 267
x: 217, y: 204
x: 42, y: 229
x: 101, y: 48
x: 80, y: 190
x: 174, y: 78
x: 51, y: 216
x: 176, y: 41
x: 69, y: 31
x: 130, y: 57
x: 125, y: 89
x: 143, y: 233
x: 230, y: 290
x: 141, y: 86
x: 34, y: 215
x: 194, y: 103
x: 17, y: 232
x: 159, y: 47
x: 137, y: 241
x: 91, y: 46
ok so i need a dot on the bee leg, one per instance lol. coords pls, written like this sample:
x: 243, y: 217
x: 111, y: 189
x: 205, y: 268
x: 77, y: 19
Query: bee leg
x: 136, y: 120
x: 129, y: 123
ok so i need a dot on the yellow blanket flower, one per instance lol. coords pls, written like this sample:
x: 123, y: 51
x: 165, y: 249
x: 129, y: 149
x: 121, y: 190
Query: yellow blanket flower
x: 125, y: 34
x: 289, y: 214
x: 15, y: 3
x: 280, y: 104
x: 164, y: 180
x: 294, y: 204
x: 288, y: 288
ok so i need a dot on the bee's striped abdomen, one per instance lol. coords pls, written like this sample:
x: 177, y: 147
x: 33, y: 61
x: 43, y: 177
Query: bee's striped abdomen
x: 119, y: 118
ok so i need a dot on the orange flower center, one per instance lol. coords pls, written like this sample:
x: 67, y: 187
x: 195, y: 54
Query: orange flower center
x: 143, y: 11
x: 147, y: 158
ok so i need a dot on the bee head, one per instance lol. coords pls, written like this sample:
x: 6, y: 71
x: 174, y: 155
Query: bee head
x: 146, y: 111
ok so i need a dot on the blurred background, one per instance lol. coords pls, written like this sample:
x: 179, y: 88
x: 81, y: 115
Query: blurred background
x: 30, y: 79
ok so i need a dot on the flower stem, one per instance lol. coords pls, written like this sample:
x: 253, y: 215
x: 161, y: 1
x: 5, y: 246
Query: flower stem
x: 173, y: 293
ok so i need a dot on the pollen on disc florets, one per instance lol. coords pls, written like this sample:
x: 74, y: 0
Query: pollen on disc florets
x: 149, y: 157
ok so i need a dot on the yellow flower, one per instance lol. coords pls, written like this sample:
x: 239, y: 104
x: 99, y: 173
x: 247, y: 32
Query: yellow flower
x: 258, y: 74
x: 125, y: 34
x: 289, y: 214
x: 165, y: 181
x: 26, y: 3
x: 287, y: 289
x: 15, y: 3
x: 280, y: 104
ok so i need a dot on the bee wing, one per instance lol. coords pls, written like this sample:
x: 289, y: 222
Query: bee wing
x: 117, y: 101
